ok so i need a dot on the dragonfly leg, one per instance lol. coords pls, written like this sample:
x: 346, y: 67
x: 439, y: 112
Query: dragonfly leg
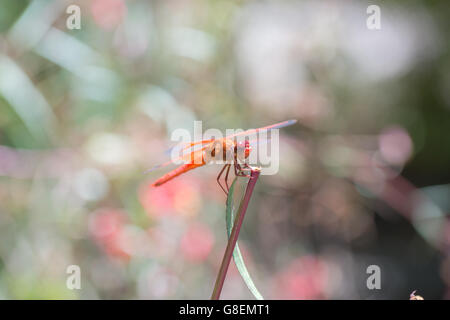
x: 246, y: 166
x: 226, y: 176
x: 218, y: 179
x: 239, y: 171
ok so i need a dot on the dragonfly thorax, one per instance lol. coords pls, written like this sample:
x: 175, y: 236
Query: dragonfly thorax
x: 242, y: 150
x: 220, y: 151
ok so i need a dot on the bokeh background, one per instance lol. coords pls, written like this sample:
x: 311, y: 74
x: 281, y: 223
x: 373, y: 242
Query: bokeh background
x: 364, y: 176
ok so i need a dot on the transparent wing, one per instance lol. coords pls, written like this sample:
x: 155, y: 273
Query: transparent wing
x: 267, y: 128
x: 189, y: 152
x: 195, y: 156
x: 184, y: 146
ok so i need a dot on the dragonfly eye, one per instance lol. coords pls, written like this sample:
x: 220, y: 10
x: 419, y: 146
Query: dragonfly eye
x: 244, y: 148
x: 248, y: 148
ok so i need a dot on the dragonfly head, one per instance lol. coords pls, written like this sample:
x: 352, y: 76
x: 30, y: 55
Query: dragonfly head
x: 243, y: 149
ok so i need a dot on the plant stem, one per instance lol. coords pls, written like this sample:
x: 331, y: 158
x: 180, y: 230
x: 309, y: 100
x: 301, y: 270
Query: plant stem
x: 235, y: 234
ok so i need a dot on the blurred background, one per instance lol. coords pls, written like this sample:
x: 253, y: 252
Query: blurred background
x: 364, y: 175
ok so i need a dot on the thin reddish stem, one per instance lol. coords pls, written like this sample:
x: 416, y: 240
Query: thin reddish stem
x: 235, y: 234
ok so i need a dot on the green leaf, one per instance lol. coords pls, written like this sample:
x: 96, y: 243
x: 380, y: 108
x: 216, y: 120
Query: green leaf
x: 237, y: 256
x: 26, y: 100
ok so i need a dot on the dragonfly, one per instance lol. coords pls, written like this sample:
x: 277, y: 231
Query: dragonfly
x: 228, y: 149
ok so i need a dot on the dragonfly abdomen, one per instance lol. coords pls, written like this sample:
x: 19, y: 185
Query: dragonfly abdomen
x: 175, y: 173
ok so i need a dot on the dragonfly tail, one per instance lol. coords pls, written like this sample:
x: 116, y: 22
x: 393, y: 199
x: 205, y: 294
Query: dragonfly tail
x: 175, y: 173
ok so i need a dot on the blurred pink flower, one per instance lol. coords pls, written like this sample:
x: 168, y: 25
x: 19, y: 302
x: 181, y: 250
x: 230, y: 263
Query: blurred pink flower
x: 106, y: 226
x: 197, y: 242
x: 179, y: 196
x: 108, y: 14
x: 304, y: 278
x: 395, y: 145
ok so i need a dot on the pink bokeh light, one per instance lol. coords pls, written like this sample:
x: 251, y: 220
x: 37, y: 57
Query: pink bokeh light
x: 108, y: 14
x: 395, y: 145
x: 106, y: 226
x: 304, y: 278
x: 197, y: 242
x: 180, y: 197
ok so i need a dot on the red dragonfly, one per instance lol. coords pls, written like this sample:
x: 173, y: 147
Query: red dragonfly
x: 227, y: 149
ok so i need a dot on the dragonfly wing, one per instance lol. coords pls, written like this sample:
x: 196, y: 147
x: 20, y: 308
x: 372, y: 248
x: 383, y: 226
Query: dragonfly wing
x: 158, y: 166
x: 183, y: 147
x: 267, y: 128
x: 190, y: 155
x: 195, y: 157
